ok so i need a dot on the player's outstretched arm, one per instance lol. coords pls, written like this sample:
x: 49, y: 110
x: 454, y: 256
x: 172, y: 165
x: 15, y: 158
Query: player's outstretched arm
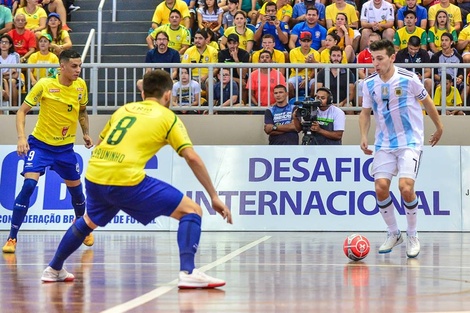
x: 22, y: 146
x: 434, y: 115
x: 364, y: 125
x: 199, y: 169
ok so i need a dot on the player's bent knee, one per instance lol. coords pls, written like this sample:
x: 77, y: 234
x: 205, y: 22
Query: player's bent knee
x: 186, y: 206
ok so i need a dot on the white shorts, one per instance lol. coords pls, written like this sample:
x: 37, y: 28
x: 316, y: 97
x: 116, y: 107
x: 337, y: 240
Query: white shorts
x: 403, y: 162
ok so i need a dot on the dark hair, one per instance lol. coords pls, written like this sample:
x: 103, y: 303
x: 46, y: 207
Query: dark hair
x: 336, y: 48
x: 312, y: 9
x: 270, y: 4
x: 12, y: 44
x: 414, y: 41
x: 156, y: 83
x: 264, y: 52
x: 335, y: 37
x: 216, y: 7
x: 176, y: 11
x: 202, y: 32
x: 449, y: 77
x: 66, y: 55
x: 383, y: 44
x: 449, y: 35
x: 280, y: 87
x: 164, y: 34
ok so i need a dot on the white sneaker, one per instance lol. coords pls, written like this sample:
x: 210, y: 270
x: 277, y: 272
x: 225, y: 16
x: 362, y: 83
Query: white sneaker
x: 73, y: 8
x: 198, y: 279
x: 51, y: 275
x: 392, y: 241
x: 412, y: 246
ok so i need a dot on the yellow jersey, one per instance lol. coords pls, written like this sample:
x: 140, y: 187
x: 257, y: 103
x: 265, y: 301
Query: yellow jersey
x: 32, y: 20
x: 296, y: 56
x: 278, y: 56
x: 38, y: 58
x: 162, y: 12
x: 134, y: 134
x: 59, y: 108
x: 177, y: 37
x: 243, y: 38
x: 192, y: 55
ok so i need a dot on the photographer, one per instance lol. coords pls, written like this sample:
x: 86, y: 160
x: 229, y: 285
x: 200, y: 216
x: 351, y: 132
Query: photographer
x: 325, y: 125
x: 278, y: 122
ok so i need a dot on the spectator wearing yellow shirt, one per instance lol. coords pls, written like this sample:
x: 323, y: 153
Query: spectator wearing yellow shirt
x: 283, y: 11
x: 161, y: 16
x: 441, y: 26
x: 43, y: 56
x: 332, y: 40
x: 276, y: 56
x: 200, y: 53
x: 301, y: 79
x: 239, y: 28
x: 179, y: 36
x: 452, y: 97
x: 346, y: 35
x: 452, y: 10
x: 400, y: 40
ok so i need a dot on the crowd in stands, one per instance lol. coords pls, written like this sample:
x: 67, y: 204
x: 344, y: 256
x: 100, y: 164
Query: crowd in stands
x: 306, y: 31
x: 32, y: 32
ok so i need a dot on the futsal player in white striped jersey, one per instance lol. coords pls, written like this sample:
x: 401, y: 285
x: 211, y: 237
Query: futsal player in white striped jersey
x: 394, y: 95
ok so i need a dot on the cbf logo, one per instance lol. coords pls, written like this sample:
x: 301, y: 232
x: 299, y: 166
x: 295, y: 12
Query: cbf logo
x: 11, y: 182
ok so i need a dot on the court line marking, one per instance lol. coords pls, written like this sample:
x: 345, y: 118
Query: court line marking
x: 154, y: 294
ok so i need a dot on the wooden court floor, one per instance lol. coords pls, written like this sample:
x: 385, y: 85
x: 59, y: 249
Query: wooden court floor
x: 285, y: 272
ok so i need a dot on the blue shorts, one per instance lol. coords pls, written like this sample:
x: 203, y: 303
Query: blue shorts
x: 61, y: 159
x: 146, y: 201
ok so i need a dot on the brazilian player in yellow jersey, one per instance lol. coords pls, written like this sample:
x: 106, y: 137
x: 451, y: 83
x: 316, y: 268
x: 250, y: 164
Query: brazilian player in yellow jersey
x: 115, y: 181
x: 62, y: 103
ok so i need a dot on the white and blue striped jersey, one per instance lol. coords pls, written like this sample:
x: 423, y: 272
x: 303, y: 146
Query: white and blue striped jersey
x: 397, y: 111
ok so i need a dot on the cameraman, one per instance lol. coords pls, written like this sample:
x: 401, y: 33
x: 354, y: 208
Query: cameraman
x: 327, y: 126
x: 278, y: 118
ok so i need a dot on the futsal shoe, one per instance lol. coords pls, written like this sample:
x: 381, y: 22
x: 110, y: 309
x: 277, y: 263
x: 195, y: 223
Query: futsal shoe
x: 10, y: 246
x: 412, y: 246
x: 51, y: 275
x: 89, y: 240
x: 198, y: 279
x: 392, y: 241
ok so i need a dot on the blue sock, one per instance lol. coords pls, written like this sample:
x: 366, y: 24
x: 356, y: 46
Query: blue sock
x: 21, y: 206
x: 189, y: 233
x: 71, y: 241
x: 78, y: 200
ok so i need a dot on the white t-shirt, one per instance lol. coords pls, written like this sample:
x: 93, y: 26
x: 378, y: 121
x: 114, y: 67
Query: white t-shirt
x: 383, y: 14
x: 186, y: 93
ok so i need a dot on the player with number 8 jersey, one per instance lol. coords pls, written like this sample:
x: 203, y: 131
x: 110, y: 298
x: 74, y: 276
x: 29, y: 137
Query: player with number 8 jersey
x: 116, y: 181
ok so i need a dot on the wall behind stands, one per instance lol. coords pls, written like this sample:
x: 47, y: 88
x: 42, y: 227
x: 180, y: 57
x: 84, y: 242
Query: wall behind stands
x: 248, y: 129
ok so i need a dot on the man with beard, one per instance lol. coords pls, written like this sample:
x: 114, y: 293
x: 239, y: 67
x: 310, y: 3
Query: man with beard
x: 311, y: 25
x: 201, y: 53
x: 341, y: 80
x: 161, y: 54
x: 327, y: 127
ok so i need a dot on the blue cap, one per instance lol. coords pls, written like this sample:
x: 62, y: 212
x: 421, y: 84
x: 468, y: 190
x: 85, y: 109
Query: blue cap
x: 53, y: 14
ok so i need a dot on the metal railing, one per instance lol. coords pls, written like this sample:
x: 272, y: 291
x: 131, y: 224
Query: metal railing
x: 112, y: 85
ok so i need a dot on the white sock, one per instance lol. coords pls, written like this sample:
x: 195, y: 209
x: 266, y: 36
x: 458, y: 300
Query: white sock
x: 388, y: 214
x: 412, y: 219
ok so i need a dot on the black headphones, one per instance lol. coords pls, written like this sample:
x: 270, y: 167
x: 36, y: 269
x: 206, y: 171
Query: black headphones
x: 329, y: 100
